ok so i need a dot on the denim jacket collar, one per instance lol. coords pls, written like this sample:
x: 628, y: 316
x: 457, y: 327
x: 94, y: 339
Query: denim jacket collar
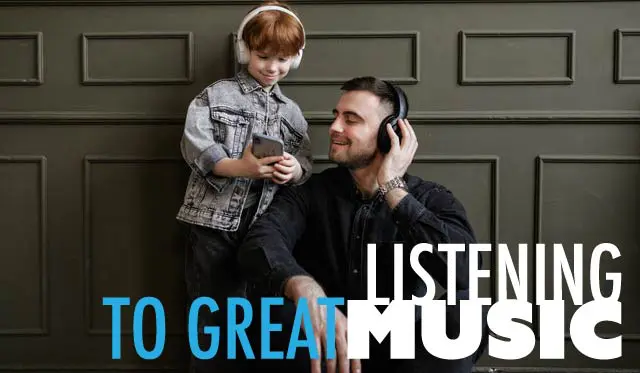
x: 249, y: 84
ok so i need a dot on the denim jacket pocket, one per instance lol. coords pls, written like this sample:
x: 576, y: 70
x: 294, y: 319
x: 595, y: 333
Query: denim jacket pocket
x: 231, y: 128
x: 217, y: 182
x: 291, y: 136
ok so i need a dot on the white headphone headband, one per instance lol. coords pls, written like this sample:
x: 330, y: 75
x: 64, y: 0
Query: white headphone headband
x: 265, y: 8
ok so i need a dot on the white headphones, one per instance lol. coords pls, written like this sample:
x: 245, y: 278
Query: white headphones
x: 242, y: 51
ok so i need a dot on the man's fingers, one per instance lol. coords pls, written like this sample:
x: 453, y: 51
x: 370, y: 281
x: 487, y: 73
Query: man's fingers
x: 356, y: 366
x: 341, y: 352
x: 407, y: 136
x: 316, y: 364
x: 410, y: 128
x: 412, y: 134
x: 392, y: 135
x: 414, y: 137
x: 331, y: 363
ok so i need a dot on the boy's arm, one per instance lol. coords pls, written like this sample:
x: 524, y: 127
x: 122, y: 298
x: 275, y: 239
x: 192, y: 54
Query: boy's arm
x: 210, y: 158
x: 198, y: 147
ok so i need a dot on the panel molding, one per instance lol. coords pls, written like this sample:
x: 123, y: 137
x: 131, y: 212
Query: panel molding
x: 89, y: 160
x: 43, y: 330
x: 540, y: 117
x: 414, y: 36
x: 541, y: 160
x: 463, y: 37
x: 491, y: 160
x: 39, y: 79
x: 619, y: 77
x: 190, y: 57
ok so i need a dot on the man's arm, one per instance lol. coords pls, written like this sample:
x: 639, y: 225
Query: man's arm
x: 305, y: 159
x: 303, y: 155
x: 441, y: 219
x: 265, y: 255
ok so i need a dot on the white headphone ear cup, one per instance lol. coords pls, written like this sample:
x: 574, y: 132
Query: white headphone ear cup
x: 296, y: 60
x: 242, y: 55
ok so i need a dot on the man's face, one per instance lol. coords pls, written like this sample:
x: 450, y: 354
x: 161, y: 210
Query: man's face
x: 268, y: 68
x: 354, y: 130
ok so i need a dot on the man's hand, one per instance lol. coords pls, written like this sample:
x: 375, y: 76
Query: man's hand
x: 305, y: 287
x: 399, y: 158
x: 286, y: 170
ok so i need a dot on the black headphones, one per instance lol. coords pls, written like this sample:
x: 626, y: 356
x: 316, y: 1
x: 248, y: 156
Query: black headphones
x: 400, y: 110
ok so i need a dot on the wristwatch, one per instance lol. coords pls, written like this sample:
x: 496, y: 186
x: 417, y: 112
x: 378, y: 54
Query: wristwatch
x: 396, y: 182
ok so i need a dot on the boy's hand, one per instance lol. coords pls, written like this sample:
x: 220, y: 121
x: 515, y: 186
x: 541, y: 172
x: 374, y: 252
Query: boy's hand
x: 286, y: 169
x: 257, y: 168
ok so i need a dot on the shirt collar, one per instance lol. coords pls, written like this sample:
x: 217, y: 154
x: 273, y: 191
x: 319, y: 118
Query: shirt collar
x: 249, y: 84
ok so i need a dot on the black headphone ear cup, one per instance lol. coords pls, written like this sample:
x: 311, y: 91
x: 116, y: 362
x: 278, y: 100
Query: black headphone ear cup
x: 384, y: 141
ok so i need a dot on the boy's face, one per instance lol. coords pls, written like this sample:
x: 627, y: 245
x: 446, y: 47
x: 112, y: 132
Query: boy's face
x: 268, y: 68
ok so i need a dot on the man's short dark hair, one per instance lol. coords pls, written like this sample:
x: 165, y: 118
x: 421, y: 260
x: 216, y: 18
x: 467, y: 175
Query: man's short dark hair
x: 375, y: 86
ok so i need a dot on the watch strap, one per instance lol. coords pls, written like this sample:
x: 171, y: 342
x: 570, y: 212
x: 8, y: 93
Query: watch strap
x: 396, y: 182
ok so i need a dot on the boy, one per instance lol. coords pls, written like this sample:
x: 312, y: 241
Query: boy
x: 229, y: 187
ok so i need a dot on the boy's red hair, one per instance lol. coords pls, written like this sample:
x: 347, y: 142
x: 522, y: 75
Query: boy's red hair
x: 274, y: 32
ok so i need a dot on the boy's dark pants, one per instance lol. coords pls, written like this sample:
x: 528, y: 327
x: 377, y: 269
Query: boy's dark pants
x: 211, y: 270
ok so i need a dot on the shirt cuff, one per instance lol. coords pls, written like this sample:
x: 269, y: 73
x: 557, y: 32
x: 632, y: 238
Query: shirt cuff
x: 205, y: 163
x: 279, y: 277
x: 408, y: 211
x: 209, y: 157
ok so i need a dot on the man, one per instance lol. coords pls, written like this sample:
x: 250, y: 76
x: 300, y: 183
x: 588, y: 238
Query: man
x: 312, y: 242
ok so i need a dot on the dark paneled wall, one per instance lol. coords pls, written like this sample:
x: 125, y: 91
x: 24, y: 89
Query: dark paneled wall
x: 528, y: 111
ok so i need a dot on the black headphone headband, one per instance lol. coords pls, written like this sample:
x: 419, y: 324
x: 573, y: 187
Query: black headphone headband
x: 400, y: 105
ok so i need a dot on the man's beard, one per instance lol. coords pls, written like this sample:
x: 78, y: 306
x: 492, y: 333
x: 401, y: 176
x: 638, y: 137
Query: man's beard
x: 359, y: 160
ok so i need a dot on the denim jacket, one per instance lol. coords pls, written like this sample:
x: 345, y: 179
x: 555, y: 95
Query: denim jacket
x: 219, y: 124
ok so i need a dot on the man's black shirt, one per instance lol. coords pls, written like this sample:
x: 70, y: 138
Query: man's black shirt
x: 322, y: 229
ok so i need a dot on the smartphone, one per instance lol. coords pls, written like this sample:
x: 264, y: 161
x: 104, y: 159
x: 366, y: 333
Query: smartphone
x: 266, y: 146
